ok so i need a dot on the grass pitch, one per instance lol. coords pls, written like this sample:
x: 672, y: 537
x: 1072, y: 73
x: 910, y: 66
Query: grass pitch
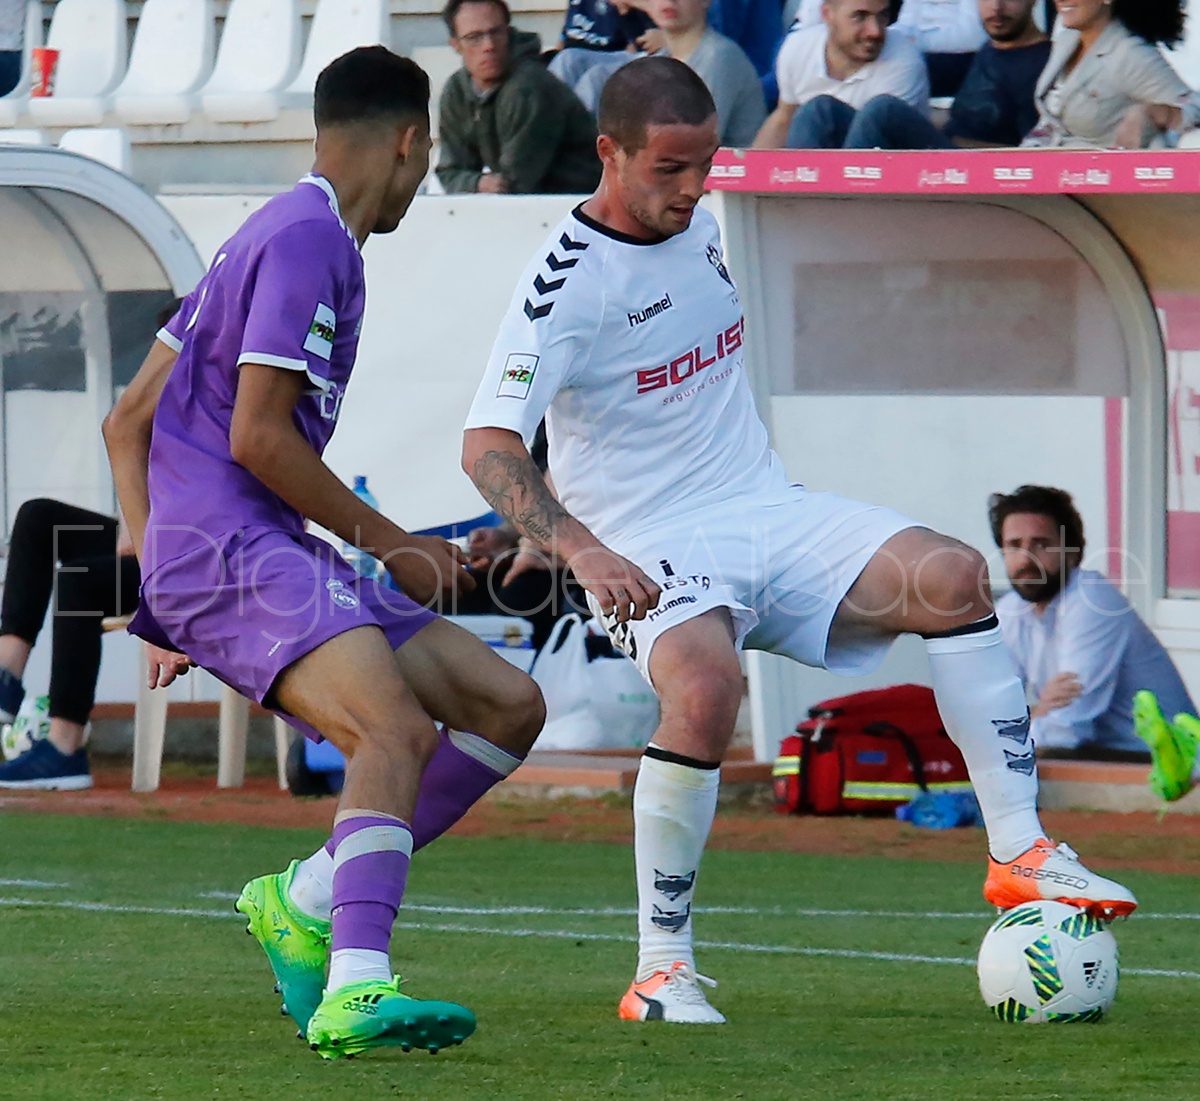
x: 126, y: 975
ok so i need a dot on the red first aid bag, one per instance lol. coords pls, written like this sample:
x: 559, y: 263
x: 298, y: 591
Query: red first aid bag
x: 867, y: 753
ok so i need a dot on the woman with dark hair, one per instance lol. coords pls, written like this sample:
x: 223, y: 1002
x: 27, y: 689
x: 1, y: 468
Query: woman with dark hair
x: 1106, y: 84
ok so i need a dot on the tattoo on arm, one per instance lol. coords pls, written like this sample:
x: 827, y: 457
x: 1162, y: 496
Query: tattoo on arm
x: 515, y: 488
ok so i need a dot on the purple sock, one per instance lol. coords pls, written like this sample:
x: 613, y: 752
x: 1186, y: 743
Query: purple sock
x: 371, y: 856
x: 453, y: 782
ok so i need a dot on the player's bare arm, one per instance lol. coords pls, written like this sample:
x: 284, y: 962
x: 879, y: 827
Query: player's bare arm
x: 126, y: 432
x: 501, y: 467
x: 263, y: 438
x: 127, y: 438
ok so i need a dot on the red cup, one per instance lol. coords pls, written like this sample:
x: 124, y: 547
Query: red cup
x: 43, y: 66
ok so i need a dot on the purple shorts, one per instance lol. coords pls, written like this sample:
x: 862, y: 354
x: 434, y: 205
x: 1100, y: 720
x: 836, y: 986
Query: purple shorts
x: 247, y: 605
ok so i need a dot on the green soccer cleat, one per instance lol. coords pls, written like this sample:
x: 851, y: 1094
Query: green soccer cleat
x: 373, y: 1013
x: 297, y: 946
x: 1173, y: 747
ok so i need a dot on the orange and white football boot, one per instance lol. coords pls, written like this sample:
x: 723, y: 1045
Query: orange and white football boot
x: 1050, y: 871
x: 673, y: 996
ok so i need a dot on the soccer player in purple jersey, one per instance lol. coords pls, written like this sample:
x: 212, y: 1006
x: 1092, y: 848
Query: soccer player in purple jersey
x: 216, y: 453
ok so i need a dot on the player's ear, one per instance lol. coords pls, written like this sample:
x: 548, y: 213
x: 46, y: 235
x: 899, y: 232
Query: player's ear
x: 607, y: 148
x: 406, y: 141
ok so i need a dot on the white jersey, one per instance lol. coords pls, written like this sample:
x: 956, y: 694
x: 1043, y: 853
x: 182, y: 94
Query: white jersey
x: 633, y: 352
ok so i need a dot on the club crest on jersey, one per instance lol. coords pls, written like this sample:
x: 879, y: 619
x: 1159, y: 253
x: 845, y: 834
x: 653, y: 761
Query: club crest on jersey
x: 320, y: 332
x: 714, y: 258
x: 517, y: 376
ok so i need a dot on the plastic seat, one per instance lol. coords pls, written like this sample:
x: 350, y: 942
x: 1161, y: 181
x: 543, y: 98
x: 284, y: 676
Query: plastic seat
x: 258, y: 56
x: 172, y: 57
x: 233, y: 723
x: 337, y: 27
x: 13, y: 104
x: 90, y: 38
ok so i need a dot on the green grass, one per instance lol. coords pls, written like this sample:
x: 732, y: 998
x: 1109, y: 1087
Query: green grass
x: 129, y: 1005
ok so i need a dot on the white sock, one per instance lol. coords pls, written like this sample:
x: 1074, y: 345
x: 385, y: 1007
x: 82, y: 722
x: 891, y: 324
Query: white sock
x: 311, y: 889
x: 347, y: 965
x: 673, y: 809
x: 983, y: 706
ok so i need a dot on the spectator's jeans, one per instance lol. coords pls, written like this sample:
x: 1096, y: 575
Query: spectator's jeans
x: 885, y: 122
x: 10, y: 70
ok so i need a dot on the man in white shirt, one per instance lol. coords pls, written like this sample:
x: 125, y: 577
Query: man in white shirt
x: 626, y: 333
x: 827, y: 72
x: 947, y: 32
x: 1080, y: 648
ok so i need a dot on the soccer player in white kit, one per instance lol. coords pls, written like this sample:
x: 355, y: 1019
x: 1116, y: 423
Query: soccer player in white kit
x: 625, y: 331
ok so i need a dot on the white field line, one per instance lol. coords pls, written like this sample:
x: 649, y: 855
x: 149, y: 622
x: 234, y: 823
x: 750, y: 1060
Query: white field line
x: 35, y: 883
x: 748, y: 911
x: 560, y: 934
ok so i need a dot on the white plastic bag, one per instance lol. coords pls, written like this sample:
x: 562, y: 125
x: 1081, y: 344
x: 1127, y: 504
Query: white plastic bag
x: 601, y: 703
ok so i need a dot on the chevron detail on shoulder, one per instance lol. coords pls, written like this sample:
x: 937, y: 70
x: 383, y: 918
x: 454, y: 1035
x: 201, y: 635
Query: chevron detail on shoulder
x: 555, y: 264
x: 543, y: 286
x: 534, y: 312
x: 572, y: 246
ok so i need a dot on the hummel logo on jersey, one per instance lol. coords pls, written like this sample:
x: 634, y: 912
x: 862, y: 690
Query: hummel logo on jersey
x: 653, y: 310
x: 548, y: 286
x: 673, y: 885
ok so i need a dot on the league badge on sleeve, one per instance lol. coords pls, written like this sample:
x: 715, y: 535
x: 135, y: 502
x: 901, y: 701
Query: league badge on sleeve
x: 517, y: 376
x: 320, y: 333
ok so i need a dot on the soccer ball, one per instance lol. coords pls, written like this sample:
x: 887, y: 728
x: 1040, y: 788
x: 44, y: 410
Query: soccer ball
x: 31, y: 725
x: 1048, y: 962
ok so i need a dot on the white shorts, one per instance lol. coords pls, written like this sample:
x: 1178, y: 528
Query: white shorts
x: 781, y: 567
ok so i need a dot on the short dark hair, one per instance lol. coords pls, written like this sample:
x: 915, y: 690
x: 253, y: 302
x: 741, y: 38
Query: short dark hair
x: 370, y: 84
x: 652, y: 91
x: 451, y: 10
x: 1042, y: 501
x: 1153, y: 21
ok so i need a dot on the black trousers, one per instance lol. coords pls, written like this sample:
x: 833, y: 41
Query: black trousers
x: 93, y: 582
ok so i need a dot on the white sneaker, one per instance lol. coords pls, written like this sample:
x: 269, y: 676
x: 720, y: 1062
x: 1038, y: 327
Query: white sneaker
x: 1049, y: 871
x: 673, y: 996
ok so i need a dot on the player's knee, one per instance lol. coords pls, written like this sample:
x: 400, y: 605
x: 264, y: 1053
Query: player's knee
x: 519, y: 712
x: 706, y: 699
x: 396, y: 733
x: 953, y: 584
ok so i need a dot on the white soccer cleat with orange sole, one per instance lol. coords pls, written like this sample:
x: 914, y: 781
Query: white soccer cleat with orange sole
x: 1054, y: 872
x: 673, y: 996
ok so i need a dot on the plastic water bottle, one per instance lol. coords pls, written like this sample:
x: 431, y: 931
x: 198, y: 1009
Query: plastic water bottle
x: 363, y: 563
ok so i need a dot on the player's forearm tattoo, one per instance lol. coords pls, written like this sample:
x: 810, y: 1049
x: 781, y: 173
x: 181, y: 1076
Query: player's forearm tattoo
x: 515, y: 488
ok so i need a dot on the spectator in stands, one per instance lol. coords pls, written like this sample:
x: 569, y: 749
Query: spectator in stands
x: 845, y: 62
x: 506, y: 124
x: 718, y: 61
x: 947, y: 32
x: 1081, y: 650
x: 994, y: 106
x: 601, y: 32
x: 12, y: 38
x: 77, y: 557
x: 1106, y: 85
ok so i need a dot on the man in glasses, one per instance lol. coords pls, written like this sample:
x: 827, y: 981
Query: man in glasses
x: 507, y: 126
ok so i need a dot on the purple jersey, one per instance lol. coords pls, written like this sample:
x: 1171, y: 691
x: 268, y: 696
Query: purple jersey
x: 286, y: 290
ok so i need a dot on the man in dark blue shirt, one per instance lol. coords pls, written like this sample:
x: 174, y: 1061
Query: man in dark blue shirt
x: 603, y: 25
x: 994, y: 105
